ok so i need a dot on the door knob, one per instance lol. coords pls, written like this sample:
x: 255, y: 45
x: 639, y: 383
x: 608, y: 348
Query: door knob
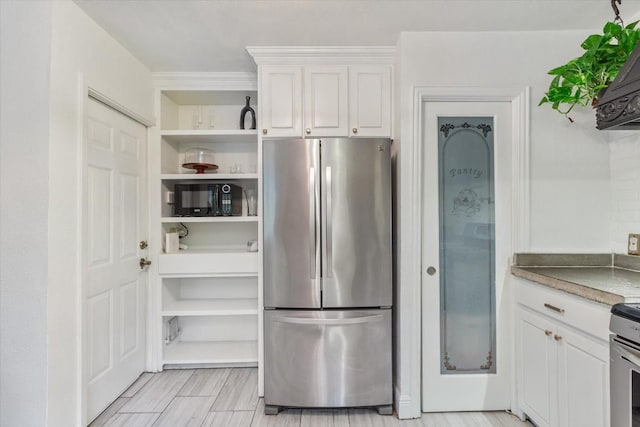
x: 308, y: 131
x: 143, y: 244
x: 144, y: 263
x: 431, y: 271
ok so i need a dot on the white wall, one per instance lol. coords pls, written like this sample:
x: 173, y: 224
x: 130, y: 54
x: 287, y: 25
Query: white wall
x: 81, y: 53
x: 624, y: 161
x: 25, y: 53
x: 569, y: 163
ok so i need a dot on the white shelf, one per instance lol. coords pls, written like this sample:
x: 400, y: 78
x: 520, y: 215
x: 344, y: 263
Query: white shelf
x: 208, y: 262
x: 198, y: 176
x: 177, y: 219
x: 212, y: 251
x: 185, y: 352
x: 209, y: 307
x: 208, y: 275
x: 210, y: 135
x: 222, y: 96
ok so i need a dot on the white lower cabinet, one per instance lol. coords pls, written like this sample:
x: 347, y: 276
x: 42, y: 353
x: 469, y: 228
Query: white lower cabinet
x: 537, y: 352
x: 562, y: 367
x: 583, y: 380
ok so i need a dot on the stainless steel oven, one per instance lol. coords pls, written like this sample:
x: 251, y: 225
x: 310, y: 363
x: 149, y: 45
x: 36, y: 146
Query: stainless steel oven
x: 625, y: 365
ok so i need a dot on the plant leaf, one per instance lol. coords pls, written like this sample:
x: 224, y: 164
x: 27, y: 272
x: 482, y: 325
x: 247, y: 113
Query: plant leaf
x: 582, y: 79
x: 591, y: 41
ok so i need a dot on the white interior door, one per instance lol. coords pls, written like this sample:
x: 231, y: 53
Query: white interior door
x: 115, y: 209
x: 466, y: 245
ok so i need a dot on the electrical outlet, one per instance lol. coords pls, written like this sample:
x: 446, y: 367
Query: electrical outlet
x: 633, y: 247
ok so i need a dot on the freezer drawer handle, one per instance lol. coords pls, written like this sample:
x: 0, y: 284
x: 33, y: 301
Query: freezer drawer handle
x: 313, y: 245
x: 313, y: 321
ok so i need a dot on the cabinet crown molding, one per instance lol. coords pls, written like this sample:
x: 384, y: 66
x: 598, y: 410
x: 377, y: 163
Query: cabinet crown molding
x: 206, y: 80
x: 322, y: 54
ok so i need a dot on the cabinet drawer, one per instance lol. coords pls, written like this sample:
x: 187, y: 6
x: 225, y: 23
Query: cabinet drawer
x: 590, y: 317
x: 208, y: 263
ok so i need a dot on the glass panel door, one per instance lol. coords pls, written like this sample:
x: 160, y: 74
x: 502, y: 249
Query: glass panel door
x: 467, y: 245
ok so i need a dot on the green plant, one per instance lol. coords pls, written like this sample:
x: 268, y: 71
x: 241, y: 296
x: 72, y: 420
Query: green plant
x: 582, y: 79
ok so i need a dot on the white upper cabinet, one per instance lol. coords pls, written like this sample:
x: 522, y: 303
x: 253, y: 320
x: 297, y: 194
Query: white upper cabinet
x: 325, y: 101
x: 281, y: 105
x: 370, y: 101
x: 325, y: 91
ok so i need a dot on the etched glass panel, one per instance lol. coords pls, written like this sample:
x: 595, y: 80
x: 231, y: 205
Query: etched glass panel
x: 467, y: 245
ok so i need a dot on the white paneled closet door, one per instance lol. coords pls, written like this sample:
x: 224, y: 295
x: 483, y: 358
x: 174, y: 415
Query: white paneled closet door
x: 115, y: 209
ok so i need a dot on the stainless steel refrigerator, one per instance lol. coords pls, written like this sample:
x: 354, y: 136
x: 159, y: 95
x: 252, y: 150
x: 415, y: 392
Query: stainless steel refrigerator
x: 327, y: 273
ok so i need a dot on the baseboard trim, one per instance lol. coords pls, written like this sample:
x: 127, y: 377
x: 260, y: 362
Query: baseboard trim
x: 404, y: 406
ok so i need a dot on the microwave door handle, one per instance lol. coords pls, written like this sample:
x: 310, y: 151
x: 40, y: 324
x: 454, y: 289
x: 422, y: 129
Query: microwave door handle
x: 313, y: 247
x: 329, y: 235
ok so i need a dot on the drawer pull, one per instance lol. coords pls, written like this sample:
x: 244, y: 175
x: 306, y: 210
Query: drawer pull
x: 548, y: 332
x: 554, y: 308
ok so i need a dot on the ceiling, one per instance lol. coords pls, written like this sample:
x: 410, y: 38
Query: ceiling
x: 201, y: 35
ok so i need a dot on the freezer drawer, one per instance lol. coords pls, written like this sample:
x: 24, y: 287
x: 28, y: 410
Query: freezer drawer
x: 328, y: 358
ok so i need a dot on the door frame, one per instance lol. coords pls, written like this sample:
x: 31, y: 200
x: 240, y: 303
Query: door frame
x: 412, y: 233
x: 87, y: 92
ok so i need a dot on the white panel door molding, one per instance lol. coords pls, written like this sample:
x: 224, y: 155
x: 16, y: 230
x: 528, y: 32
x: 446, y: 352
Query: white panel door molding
x: 115, y: 208
x: 411, y: 170
x: 466, y: 246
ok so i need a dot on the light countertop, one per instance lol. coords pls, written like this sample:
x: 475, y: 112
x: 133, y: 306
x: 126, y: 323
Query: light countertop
x: 603, y: 278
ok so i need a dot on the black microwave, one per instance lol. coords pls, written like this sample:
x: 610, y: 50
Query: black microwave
x: 207, y: 199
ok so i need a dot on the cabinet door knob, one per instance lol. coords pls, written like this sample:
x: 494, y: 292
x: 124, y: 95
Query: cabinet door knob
x: 143, y: 244
x: 264, y: 131
x: 557, y: 337
x: 307, y: 130
x: 548, y: 332
x: 354, y: 130
x: 431, y: 271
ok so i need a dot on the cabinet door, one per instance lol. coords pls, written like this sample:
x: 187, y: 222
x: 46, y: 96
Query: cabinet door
x: 370, y: 101
x: 325, y: 101
x: 281, y: 100
x: 583, y: 380
x: 536, y: 361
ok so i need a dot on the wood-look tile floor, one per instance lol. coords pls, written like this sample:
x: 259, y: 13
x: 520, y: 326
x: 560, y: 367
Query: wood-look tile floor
x: 229, y: 398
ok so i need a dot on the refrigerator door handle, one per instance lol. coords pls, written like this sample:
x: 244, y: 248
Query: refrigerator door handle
x: 329, y: 238
x: 313, y: 244
x: 316, y: 321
